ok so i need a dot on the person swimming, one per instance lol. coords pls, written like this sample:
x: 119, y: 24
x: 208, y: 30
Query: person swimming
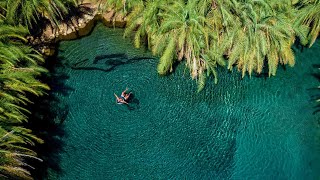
x: 120, y: 100
x: 123, y: 97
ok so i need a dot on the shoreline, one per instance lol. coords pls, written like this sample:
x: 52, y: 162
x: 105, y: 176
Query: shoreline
x: 77, y: 27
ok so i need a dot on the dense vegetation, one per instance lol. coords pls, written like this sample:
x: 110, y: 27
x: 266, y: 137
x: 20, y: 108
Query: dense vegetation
x: 19, y: 70
x: 254, y: 35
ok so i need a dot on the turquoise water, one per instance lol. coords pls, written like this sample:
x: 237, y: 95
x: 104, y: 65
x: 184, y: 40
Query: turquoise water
x: 251, y: 128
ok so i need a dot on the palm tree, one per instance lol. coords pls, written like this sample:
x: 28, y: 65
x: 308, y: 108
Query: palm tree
x: 144, y: 20
x: 309, y: 14
x: 252, y: 34
x: 18, y: 72
x: 258, y: 34
x: 122, y: 7
x: 175, y: 30
x: 29, y: 12
x: 183, y: 34
x: 13, y: 153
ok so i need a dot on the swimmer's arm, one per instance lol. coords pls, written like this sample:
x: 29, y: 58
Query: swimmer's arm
x: 123, y: 92
x: 116, y: 97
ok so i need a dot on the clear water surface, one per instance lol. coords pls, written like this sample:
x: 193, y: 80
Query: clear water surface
x: 251, y: 128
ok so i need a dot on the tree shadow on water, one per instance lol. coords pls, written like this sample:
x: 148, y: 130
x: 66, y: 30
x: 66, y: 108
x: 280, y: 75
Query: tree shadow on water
x: 46, y: 121
x: 106, y: 63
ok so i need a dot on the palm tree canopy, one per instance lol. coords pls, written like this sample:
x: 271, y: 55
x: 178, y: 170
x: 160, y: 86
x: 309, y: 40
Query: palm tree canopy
x: 253, y: 35
x: 309, y: 15
x: 28, y: 12
x: 19, y: 69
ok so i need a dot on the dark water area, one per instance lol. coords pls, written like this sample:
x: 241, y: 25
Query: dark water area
x: 251, y: 128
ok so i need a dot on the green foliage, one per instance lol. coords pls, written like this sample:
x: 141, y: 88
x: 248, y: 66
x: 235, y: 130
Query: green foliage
x: 144, y: 19
x: 309, y: 15
x: 28, y: 12
x: 182, y: 29
x: 250, y: 34
x: 121, y: 7
x: 12, y: 152
x: 19, y: 69
x: 173, y: 30
x: 19, y: 72
x: 259, y: 34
